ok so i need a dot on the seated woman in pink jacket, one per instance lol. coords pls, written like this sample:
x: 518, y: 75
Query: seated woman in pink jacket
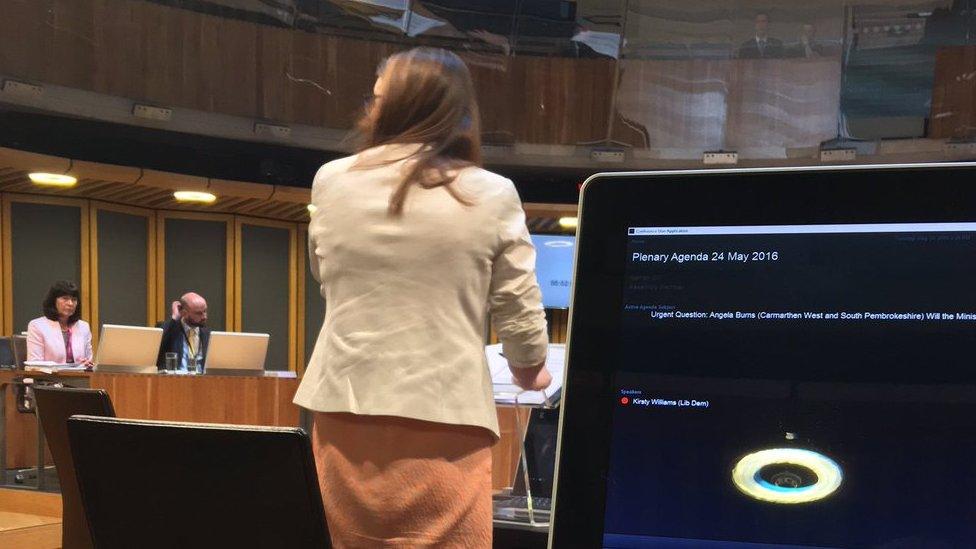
x: 60, y: 335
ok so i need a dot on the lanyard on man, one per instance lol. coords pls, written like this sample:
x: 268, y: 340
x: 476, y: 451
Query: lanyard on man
x: 191, y: 345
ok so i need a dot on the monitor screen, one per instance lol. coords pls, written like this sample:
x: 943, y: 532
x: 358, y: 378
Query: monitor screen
x: 7, y: 358
x: 772, y: 358
x: 793, y: 381
x: 554, y: 268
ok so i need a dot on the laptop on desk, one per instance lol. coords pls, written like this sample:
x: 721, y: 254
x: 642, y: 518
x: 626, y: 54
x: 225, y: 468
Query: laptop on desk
x: 771, y: 358
x: 237, y: 353
x: 128, y: 349
x: 8, y: 359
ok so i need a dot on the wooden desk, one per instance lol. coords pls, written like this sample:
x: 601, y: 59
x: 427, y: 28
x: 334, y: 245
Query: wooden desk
x: 206, y: 399
x: 953, y: 112
x: 20, y: 429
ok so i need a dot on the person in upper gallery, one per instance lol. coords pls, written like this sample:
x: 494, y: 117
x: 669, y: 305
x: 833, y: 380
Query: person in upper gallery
x: 413, y: 245
x: 60, y: 335
x: 185, y: 332
x: 807, y: 45
x: 761, y: 46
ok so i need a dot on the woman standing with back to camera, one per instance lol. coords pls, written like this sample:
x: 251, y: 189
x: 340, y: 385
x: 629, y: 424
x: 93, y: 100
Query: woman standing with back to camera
x: 414, y: 245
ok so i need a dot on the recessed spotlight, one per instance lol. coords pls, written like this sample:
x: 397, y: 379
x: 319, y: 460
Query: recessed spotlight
x: 568, y: 222
x: 312, y: 208
x: 194, y: 196
x: 53, y: 179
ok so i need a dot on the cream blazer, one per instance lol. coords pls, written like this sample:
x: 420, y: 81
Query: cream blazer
x: 407, y: 297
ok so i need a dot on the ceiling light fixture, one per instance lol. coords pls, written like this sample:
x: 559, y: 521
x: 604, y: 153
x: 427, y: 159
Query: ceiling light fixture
x: 53, y: 179
x: 312, y: 208
x: 568, y: 222
x: 199, y: 197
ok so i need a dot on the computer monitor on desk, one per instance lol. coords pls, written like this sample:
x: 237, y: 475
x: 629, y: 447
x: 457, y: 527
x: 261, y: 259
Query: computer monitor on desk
x: 128, y: 349
x: 8, y: 360
x: 13, y: 352
x: 237, y: 353
x: 19, y: 344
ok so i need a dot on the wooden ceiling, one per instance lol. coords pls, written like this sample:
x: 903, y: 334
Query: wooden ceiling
x: 149, y: 188
x: 153, y: 189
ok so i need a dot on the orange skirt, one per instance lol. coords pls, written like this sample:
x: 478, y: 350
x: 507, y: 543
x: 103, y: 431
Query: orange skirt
x: 396, y: 482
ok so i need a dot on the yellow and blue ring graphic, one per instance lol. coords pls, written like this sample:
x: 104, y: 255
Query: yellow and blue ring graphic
x: 747, y: 475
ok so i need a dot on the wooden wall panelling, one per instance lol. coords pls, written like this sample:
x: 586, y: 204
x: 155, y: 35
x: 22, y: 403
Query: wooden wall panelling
x: 132, y: 395
x: 274, y: 61
x: 538, y: 112
x: 679, y: 104
x: 783, y: 103
x: 24, y: 28
x: 71, y: 32
x: 566, y: 100
x: 21, y: 433
x: 354, y: 72
x: 118, y: 47
x: 496, y: 100
x: 334, y: 78
x: 211, y: 399
x: 311, y: 82
x: 196, y: 86
x: 163, y: 62
x: 287, y: 412
x: 178, y: 57
x: 299, y: 82
x: 954, y: 94
x: 184, y: 399
x: 232, y: 45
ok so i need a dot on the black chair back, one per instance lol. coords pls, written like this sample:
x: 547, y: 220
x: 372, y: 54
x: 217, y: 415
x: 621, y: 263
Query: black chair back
x: 54, y: 406
x: 184, y: 485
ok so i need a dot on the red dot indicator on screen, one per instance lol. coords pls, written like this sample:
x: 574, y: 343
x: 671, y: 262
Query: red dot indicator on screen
x: 624, y: 400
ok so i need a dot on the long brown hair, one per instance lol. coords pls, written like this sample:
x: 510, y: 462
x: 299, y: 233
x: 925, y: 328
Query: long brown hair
x: 428, y: 99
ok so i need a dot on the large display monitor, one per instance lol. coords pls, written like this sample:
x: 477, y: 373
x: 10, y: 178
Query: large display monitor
x: 554, y: 268
x: 772, y: 358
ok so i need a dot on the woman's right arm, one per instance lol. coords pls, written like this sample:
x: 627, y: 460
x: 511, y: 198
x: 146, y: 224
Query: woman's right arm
x: 35, y: 342
x: 318, y: 186
x: 515, y: 302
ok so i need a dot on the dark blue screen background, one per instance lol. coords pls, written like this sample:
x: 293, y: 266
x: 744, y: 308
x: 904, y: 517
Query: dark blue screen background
x: 892, y: 402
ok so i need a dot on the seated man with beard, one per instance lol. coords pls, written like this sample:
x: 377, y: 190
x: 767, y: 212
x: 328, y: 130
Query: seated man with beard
x: 186, y: 334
